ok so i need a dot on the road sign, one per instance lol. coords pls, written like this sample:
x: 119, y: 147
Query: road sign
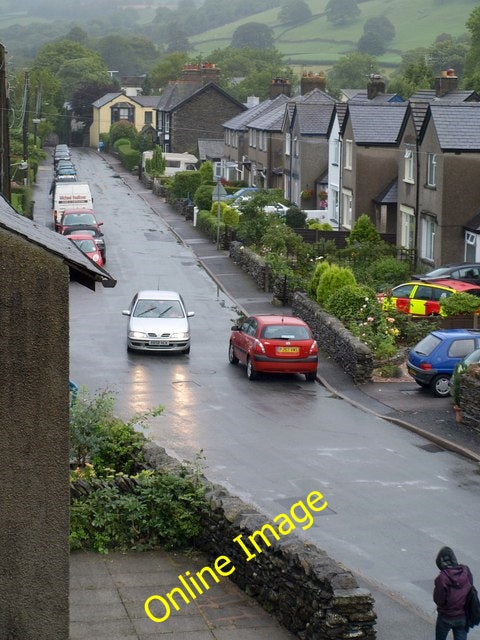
x: 219, y: 192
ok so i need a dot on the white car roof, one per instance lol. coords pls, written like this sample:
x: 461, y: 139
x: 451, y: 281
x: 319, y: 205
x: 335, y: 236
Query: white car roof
x: 155, y: 294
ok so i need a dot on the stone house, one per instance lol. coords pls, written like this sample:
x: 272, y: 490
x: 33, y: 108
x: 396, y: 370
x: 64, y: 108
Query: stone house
x: 370, y: 136
x: 37, y: 265
x: 112, y: 107
x: 194, y: 108
x: 438, y: 187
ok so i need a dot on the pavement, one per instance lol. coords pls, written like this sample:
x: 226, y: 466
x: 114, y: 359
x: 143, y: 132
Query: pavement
x: 108, y: 592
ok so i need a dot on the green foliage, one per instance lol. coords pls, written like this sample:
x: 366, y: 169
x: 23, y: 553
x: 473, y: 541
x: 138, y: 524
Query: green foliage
x: 294, y: 12
x: 252, y: 224
x: 363, y: 231
x: 130, y: 158
x: 321, y: 226
x: 155, y: 166
x: 387, y: 272
x: 295, y: 218
x: 252, y: 34
x: 186, y: 183
x: 350, y: 301
x: 122, y: 129
x: 331, y: 280
x: 168, y: 68
x: 351, y: 71
x: 380, y: 25
x: 89, y: 419
x: 206, y: 171
x: 230, y: 217
x: 340, y: 12
x: 208, y: 223
x: 372, y: 44
x: 203, y: 197
x: 162, y: 509
x: 319, y: 270
x: 119, y: 142
x: 459, y: 303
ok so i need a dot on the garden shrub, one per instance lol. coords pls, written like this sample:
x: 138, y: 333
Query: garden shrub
x: 459, y: 304
x: 363, y: 231
x: 130, y: 158
x: 207, y: 223
x: 331, y: 280
x: 387, y: 272
x: 161, y: 509
x: 206, y: 171
x: 295, y: 218
x: 120, y: 142
x: 320, y: 268
x: 203, y: 197
x: 314, y: 223
x: 185, y: 184
x: 155, y: 166
x: 348, y: 302
x: 122, y: 129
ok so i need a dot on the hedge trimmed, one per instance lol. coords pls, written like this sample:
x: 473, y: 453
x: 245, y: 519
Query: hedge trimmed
x: 129, y: 157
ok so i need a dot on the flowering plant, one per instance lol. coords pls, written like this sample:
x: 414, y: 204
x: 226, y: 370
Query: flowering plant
x: 306, y: 194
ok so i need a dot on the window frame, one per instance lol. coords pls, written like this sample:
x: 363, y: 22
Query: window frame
x: 408, y: 173
x: 431, y: 170
x: 348, y: 155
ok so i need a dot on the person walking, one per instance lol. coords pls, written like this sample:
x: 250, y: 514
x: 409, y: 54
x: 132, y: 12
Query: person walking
x: 452, y: 586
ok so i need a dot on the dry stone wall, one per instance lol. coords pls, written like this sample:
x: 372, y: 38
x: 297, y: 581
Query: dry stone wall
x: 251, y: 263
x: 470, y: 400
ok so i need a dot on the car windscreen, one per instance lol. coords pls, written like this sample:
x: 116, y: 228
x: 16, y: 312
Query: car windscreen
x: 87, y: 246
x: 79, y: 218
x: 285, y: 332
x: 427, y: 345
x: 158, y: 309
x: 437, y: 273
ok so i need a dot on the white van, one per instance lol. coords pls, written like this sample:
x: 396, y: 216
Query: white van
x: 174, y: 162
x: 72, y: 195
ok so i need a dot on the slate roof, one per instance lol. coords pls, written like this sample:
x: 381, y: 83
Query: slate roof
x: 210, y: 149
x: 362, y: 96
x: 429, y: 95
x: 272, y: 120
x: 376, y: 124
x: 81, y: 268
x: 147, y: 101
x: 389, y: 195
x: 474, y: 224
x: 144, y: 101
x: 178, y: 91
x: 341, y: 109
x: 314, y: 119
x: 242, y: 120
x: 316, y: 96
x: 108, y: 97
x: 457, y: 126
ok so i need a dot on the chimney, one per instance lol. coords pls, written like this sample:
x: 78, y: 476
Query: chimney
x: 279, y: 86
x: 375, y: 86
x: 312, y: 81
x: 202, y: 73
x: 446, y: 82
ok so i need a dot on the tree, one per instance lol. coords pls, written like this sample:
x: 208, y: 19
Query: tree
x: 74, y: 73
x: 352, y: 71
x: 414, y: 77
x: 372, y: 44
x: 340, y: 12
x: 156, y: 166
x: 294, y: 12
x: 177, y: 39
x: 85, y: 94
x: 169, y: 68
x: 252, y: 34
x: 472, y: 61
x: 55, y: 54
x: 126, y: 54
x: 381, y: 26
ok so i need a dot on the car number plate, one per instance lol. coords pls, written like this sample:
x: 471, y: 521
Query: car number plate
x: 160, y: 343
x: 288, y: 349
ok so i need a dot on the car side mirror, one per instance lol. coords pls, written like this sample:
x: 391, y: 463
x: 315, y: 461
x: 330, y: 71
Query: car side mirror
x: 126, y: 312
x: 190, y: 314
x: 236, y: 328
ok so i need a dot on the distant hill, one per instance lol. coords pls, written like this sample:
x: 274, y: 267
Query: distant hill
x: 316, y: 42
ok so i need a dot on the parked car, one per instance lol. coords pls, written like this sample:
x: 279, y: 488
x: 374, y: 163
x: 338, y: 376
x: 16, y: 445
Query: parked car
x: 421, y: 298
x: 278, y: 207
x: 241, y: 192
x: 274, y: 344
x: 158, y: 321
x: 65, y: 171
x: 86, y: 243
x: 93, y: 232
x: 74, y: 218
x: 432, y: 361
x: 465, y: 271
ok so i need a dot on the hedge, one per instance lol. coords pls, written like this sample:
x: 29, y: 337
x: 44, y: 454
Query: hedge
x: 129, y: 157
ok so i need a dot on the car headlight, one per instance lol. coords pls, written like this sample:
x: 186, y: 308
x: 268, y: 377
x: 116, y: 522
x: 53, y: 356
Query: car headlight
x: 181, y: 335
x: 137, y: 334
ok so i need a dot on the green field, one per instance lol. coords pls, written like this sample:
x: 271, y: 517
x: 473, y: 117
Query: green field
x: 417, y: 23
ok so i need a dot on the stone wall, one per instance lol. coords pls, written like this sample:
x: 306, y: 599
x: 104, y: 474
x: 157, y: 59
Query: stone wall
x: 353, y: 356
x: 309, y: 593
x: 252, y: 264
x: 470, y: 400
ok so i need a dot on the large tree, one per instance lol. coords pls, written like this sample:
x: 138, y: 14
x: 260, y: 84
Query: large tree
x: 372, y: 44
x: 472, y: 62
x: 55, y: 54
x: 254, y: 35
x: 168, y: 68
x: 294, y: 12
x: 380, y: 25
x: 340, y: 12
x: 129, y: 55
x: 351, y: 72
x: 85, y: 94
x: 75, y: 73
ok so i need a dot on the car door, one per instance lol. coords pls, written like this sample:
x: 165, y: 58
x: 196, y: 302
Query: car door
x: 424, y: 302
x: 241, y: 339
x: 401, y: 297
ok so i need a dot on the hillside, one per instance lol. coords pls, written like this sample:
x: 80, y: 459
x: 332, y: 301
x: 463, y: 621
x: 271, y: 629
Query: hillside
x: 317, y: 43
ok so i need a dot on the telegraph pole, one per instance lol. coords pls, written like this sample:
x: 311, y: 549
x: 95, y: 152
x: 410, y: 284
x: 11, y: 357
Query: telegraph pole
x: 4, y: 130
x: 26, y: 114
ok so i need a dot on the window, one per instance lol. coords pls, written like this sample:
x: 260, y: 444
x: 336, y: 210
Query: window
x: 431, y: 169
x: 253, y: 137
x: 122, y: 113
x: 408, y: 157
x: 470, y: 246
x: 347, y: 199
x: 348, y: 154
x: 288, y: 139
x: 403, y: 291
x: 407, y: 227
x: 166, y: 122
x: 424, y: 293
x: 428, y: 238
x: 336, y: 151
x: 148, y: 117
x: 461, y: 348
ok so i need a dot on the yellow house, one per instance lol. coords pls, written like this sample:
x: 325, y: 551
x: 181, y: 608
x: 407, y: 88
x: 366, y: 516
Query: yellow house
x: 141, y: 111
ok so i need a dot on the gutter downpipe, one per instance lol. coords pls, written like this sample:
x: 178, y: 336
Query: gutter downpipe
x: 417, y: 200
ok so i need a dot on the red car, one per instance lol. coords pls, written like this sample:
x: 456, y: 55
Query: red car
x: 88, y: 245
x: 72, y: 218
x: 274, y: 344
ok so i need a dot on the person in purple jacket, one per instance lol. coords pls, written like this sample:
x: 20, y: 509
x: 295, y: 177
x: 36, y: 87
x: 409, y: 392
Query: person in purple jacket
x: 451, y: 588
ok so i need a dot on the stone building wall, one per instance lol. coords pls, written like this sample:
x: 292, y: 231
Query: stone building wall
x: 307, y: 591
x: 353, y: 356
x: 252, y: 264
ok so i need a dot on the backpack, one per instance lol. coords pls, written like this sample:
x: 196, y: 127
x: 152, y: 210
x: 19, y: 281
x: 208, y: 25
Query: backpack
x: 472, y: 609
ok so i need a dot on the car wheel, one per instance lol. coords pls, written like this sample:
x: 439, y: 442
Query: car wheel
x: 251, y: 373
x: 311, y: 377
x: 232, y: 358
x: 440, y: 386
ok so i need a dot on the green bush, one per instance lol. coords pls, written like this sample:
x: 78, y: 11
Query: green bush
x: 363, y: 231
x: 295, y: 218
x: 207, y: 223
x: 321, y: 226
x: 130, y: 158
x: 122, y: 129
x: 206, y: 171
x: 203, y: 197
x: 459, y: 304
x: 386, y: 273
x: 120, y: 142
x: 155, y: 166
x: 162, y: 509
x: 331, y: 280
x: 349, y: 302
x: 185, y: 184
x: 320, y: 269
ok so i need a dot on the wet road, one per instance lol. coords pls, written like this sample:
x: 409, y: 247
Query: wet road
x: 394, y: 499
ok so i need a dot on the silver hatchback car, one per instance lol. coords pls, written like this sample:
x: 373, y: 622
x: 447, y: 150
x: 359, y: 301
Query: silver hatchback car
x: 158, y: 321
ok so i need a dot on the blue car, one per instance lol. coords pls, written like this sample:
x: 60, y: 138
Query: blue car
x: 244, y: 191
x: 432, y: 361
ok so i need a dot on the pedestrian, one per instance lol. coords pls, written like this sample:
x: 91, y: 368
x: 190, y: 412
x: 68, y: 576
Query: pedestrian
x: 452, y: 586
x: 101, y: 146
